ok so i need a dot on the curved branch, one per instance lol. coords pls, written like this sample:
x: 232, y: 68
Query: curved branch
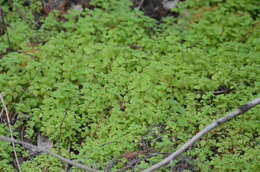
x: 39, y: 149
x: 242, y: 109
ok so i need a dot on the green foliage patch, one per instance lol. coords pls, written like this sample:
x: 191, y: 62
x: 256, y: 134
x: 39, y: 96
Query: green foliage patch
x: 99, y: 82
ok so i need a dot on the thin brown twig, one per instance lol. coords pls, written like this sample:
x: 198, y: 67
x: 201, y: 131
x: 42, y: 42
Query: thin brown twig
x: 11, y: 132
x: 1, y: 113
x: 224, y: 91
x: 242, y: 109
x: 39, y: 149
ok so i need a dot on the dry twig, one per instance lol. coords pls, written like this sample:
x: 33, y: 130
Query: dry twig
x: 36, y: 148
x: 11, y: 132
x: 140, y: 5
x: 39, y: 149
x: 242, y: 109
x: 1, y: 113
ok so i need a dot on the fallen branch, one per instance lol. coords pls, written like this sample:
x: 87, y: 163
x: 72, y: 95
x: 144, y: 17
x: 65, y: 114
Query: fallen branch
x: 10, y: 130
x: 39, y: 149
x: 242, y: 109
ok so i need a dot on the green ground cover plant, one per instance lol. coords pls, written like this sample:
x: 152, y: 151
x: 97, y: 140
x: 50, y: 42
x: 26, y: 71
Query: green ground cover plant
x: 110, y: 81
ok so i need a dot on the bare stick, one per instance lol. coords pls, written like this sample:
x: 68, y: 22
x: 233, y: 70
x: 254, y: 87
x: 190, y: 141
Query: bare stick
x: 40, y: 149
x: 242, y: 109
x: 1, y: 112
x: 140, y: 5
x: 11, y: 132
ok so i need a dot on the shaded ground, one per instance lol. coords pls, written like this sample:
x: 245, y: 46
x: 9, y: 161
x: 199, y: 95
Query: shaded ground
x: 156, y: 9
